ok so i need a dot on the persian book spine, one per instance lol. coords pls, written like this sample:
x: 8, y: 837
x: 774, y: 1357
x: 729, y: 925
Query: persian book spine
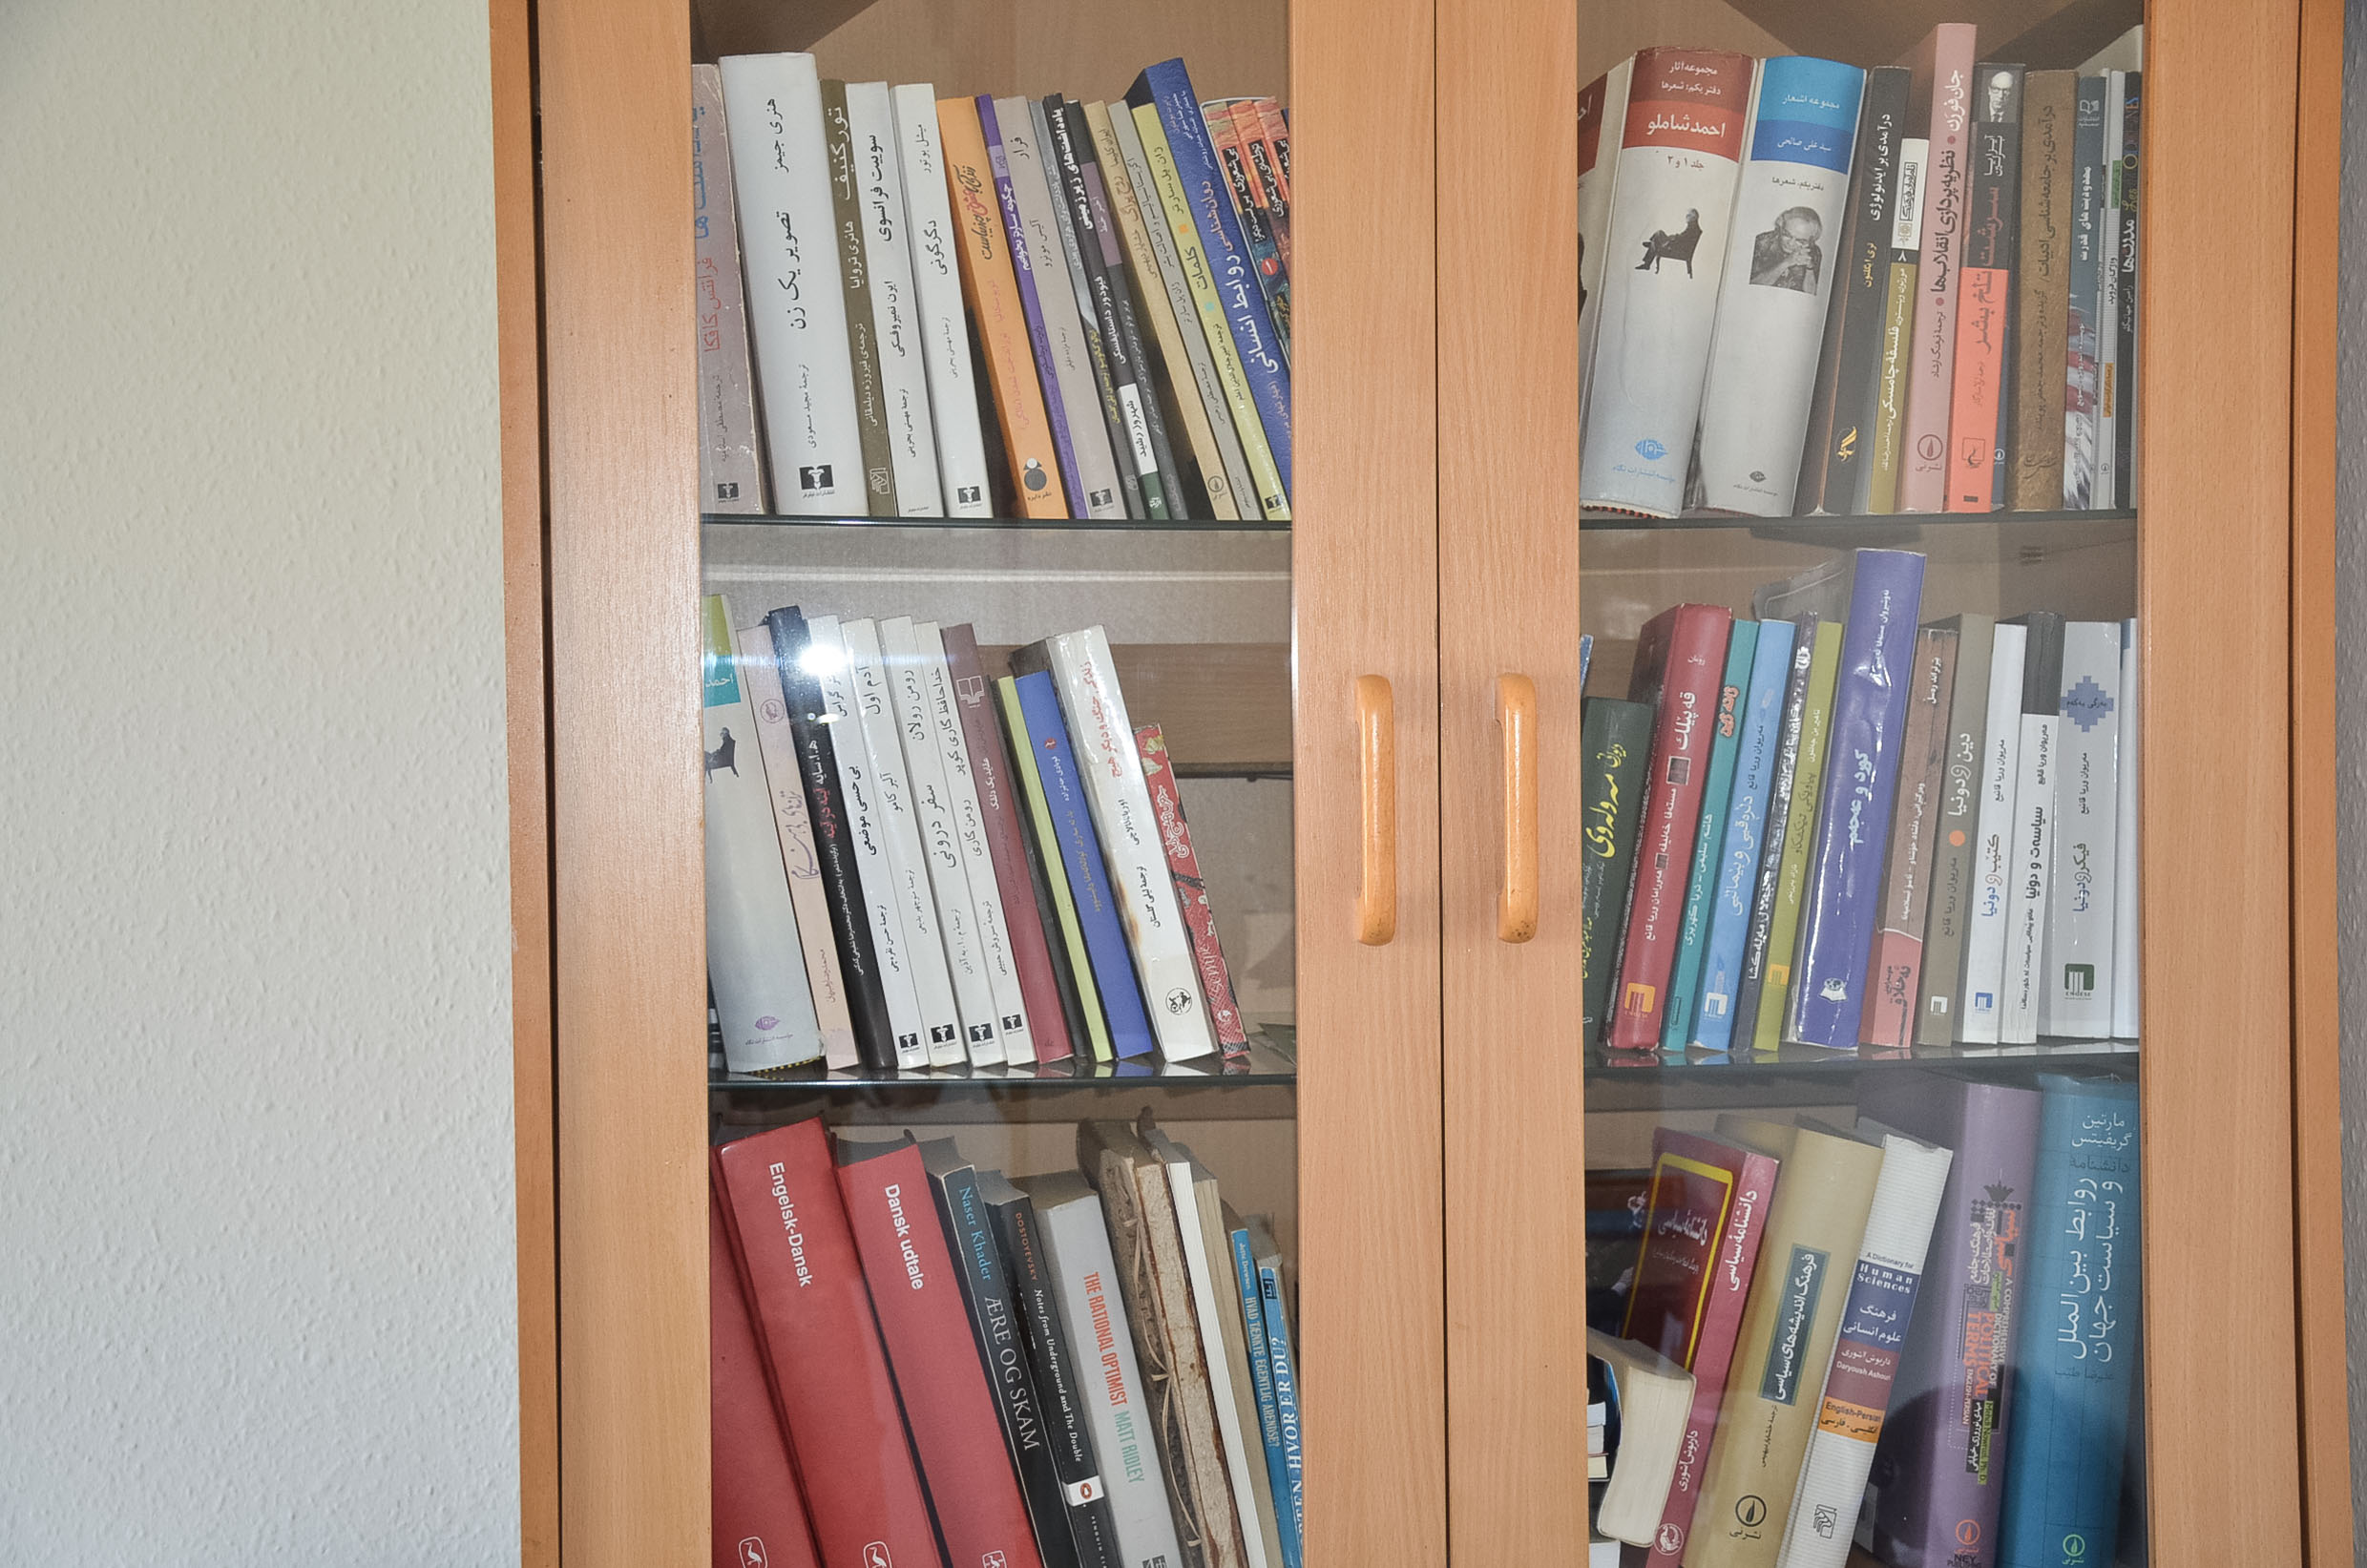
x: 2076, y: 1001
x: 758, y: 1513
x: 1894, y: 969
x: 788, y: 251
x: 1616, y: 738
x: 2032, y: 847
x: 1950, y: 911
x: 1088, y: 1027
x: 898, y: 336
x: 1744, y: 836
x: 2041, y: 283
x: 1784, y: 247
x: 1986, y: 289
x: 1672, y: 200
x: 1250, y: 123
x: 1701, y: 881
x: 1098, y: 332
x: 1833, y: 456
x: 1191, y: 889
x: 1131, y: 435
x: 1992, y: 871
x: 1257, y: 234
x: 1943, y: 79
x: 1261, y: 1379
x: 1780, y: 973
x: 2083, y: 346
x: 1027, y: 266
x: 1886, y: 440
x: 2104, y: 491
x: 854, y: 280
x: 943, y: 343
x: 731, y: 473
x: 2128, y: 186
x: 2127, y: 908
x: 1750, y: 984
x: 1145, y: 418
x: 1601, y: 126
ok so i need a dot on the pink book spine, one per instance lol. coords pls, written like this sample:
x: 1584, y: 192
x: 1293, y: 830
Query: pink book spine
x: 1216, y: 981
x: 1722, y: 1321
x: 1943, y: 68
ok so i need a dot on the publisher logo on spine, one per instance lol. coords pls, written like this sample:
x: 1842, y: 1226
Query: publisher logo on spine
x: 875, y: 1556
x: 752, y: 1552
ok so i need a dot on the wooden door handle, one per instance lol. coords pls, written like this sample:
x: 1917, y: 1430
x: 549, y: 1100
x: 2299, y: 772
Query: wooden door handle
x: 1516, y: 718
x: 1376, y: 757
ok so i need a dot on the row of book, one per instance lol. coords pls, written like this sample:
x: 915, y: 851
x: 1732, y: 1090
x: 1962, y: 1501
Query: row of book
x: 1125, y: 268
x: 1939, y: 1300
x: 912, y: 870
x: 1089, y: 1368
x: 1809, y: 289
x: 1830, y: 826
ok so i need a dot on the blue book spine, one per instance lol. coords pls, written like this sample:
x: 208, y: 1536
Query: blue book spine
x: 1168, y: 87
x: 1743, y: 835
x: 1684, y: 976
x: 1031, y: 305
x: 1585, y: 660
x: 1088, y: 879
x: 1853, y: 819
x: 2075, y: 1352
x: 1261, y: 1378
x: 1286, y: 1396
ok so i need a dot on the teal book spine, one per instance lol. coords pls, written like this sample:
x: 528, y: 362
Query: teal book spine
x: 1261, y: 1379
x: 1685, y: 974
x: 1745, y: 835
x: 1286, y: 1393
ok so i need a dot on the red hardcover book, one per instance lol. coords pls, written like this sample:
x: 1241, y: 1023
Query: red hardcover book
x: 1706, y: 1208
x: 821, y: 1343
x: 917, y: 1295
x: 1175, y: 835
x: 760, y: 1515
x: 1680, y: 657
x: 997, y: 799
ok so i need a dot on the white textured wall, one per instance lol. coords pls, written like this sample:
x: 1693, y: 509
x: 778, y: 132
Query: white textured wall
x: 256, y: 1225
x: 2351, y: 699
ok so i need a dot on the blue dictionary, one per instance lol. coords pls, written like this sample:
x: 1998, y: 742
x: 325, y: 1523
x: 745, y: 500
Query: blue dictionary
x: 1261, y: 1378
x: 1743, y: 833
x: 1168, y: 88
x: 1088, y: 879
x: 2075, y: 1350
x: 1844, y: 896
x: 1701, y: 881
x: 1031, y: 305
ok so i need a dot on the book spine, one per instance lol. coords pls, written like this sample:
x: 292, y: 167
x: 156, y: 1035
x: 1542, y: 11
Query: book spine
x: 1801, y: 835
x: 1204, y: 1252
x: 1896, y: 967
x: 2083, y: 297
x: 1896, y: 357
x: 1742, y: 837
x: 1256, y: 230
x: 1941, y: 996
x: 1245, y: 1278
x: 898, y: 337
x: 2041, y: 284
x: 1048, y: 869
x: 731, y: 475
x: 2128, y: 950
x: 2033, y: 843
x: 1286, y: 1388
x: 1250, y: 117
x: 1766, y: 892
x: 1192, y: 890
x: 1922, y: 485
x: 2125, y: 423
x: 1079, y: 255
x: 1025, y: 265
x: 2075, y: 1001
x: 943, y: 341
x: 854, y: 282
x: 2001, y: 766
x: 1984, y: 289
x: 758, y: 1513
x: 1701, y: 883
x: 1145, y: 419
x: 973, y: 834
x: 1833, y: 455
x: 1601, y: 125
x: 2104, y: 490
x: 1615, y: 737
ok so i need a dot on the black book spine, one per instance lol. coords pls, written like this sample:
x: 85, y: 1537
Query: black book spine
x: 1083, y: 255
x: 1837, y: 457
x: 2125, y: 405
x: 1995, y: 230
x: 2042, y: 661
x: 842, y: 882
x: 1753, y: 984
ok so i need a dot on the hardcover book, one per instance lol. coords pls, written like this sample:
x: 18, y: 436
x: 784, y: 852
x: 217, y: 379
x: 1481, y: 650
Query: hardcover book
x: 1191, y: 889
x: 935, y: 246
x: 1959, y: 819
x: 854, y: 280
x: 2031, y: 848
x: 1836, y: 456
x: 731, y: 471
x: 2000, y: 754
x: 1048, y: 870
x: 1985, y: 288
x: 1895, y: 968
x: 757, y: 1514
x: 2041, y: 286
x: 1614, y: 738
x: 1701, y: 881
x: 897, y: 340
x: 1745, y: 835
x: 1943, y: 79
x: 2079, y: 980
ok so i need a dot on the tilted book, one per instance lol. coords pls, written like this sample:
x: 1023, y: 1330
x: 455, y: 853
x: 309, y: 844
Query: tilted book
x: 1602, y: 127
x: 2122, y: 394
x: 1081, y: 1000
x: 1099, y: 348
x: 2104, y: 489
x: 944, y: 343
x: 898, y: 337
x: 1985, y: 288
x: 1253, y: 1300
x: 1778, y: 976
x: 1192, y: 890
x: 731, y: 471
x: 2031, y: 848
x: 854, y: 282
x: 757, y: 1514
x: 1783, y: 779
x: 1743, y: 835
x: 1834, y: 456
x: 1950, y: 910
x: 2041, y: 286
x: 2127, y: 906
x: 2082, y: 345
x: 2075, y: 1001
x: 1943, y: 79
x: 1278, y: 1340
x: 1257, y: 232
x: 1615, y: 739
x: 1026, y: 267
x: 1701, y: 881
x: 1886, y: 436
x: 1894, y: 969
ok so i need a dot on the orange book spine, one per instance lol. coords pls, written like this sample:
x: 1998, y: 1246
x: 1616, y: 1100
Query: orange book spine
x: 1249, y: 130
x: 1983, y: 301
x: 992, y: 292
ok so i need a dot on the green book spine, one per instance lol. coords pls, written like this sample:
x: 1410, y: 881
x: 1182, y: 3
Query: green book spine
x: 1808, y: 779
x: 1039, y: 825
x: 1701, y: 888
x: 1614, y: 737
x: 879, y: 477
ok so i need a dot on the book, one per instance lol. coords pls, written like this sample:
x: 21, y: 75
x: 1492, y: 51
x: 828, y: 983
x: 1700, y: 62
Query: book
x: 1759, y: 954
x: 1779, y: 974
x: 1988, y: 240
x: 1894, y: 360
x: 1877, y: 1316
x: 1835, y: 452
x: 1938, y: 1468
x: 1782, y: 252
x: 1943, y: 81
x: 1048, y: 867
x: 924, y: 1323
x: 1100, y: 349
x: 1614, y: 738
x: 820, y: 1340
x: 2122, y: 394
x: 2075, y: 999
x: 1192, y: 890
x: 2042, y: 289
x: 898, y: 340
x: 943, y: 341
x: 1026, y: 263
x: 854, y: 282
x: 731, y: 471
x: 1743, y: 835
x: 1261, y: 1371
x: 1984, y: 938
x: 1894, y: 969
x: 2128, y: 951
x: 788, y: 253
x: 1251, y: 120
x: 756, y: 1513
x: 1950, y: 910
x: 1682, y: 1011
x: 2082, y: 296
x: 2104, y: 486
x: 763, y: 1000
x: 2076, y: 1349
x: 2031, y: 846
x: 1276, y: 1310
x: 1257, y: 235
x: 1004, y: 315
x: 1602, y: 127
x: 1673, y: 198
x: 1653, y: 1395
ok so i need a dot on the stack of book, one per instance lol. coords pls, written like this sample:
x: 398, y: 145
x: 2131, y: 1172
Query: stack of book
x: 1089, y: 1368
x: 1830, y: 826
x: 1810, y: 289
x: 990, y: 308
x: 909, y: 866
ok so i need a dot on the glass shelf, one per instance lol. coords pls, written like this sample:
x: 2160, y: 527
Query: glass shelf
x: 1123, y: 525
x: 1642, y: 1081
x: 1824, y: 528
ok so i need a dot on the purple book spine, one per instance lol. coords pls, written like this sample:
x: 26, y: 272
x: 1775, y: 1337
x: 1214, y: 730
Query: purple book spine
x: 1030, y: 306
x: 1853, y: 819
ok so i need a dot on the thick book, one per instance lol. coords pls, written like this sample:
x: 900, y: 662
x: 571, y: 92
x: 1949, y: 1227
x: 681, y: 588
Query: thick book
x: 1859, y: 1383
x: 1939, y: 1465
x: 1004, y: 315
x: 1601, y: 126
x: 1943, y: 79
x: 1252, y: 1302
x: 1778, y: 975
x: 763, y: 999
x: 1782, y: 252
x: 1834, y: 454
x: 1844, y: 898
x: 731, y: 471
x: 1894, y: 969
x: 1758, y: 953
x: 1680, y: 151
x: 1614, y: 738
x: 1109, y: 373
x: 1257, y: 235
x: 1048, y: 869
x: 788, y: 253
x: 2075, y: 999
x: 1950, y: 908
x: 943, y: 341
x: 2083, y: 364
x: 1679, y: 657
x: 1681, y: 1012
x: 1278, y: 1342
x: 854, y: 282
x: 2031, y: 848
x: 1984, y: 313
x: 898, y: 340
x: 1652, y: 1394
x: 2042, y: 290
x: 757, y: 1512
x: 1743, y: 835
x: 1886, y: 433
x: 1991, y: 869
x: 2127, y: 908
x: 1192, y: 890
x: 2076, y: 1351
x: 924, y: 1321
x: 2124, y: 390
x: 820, y: 1339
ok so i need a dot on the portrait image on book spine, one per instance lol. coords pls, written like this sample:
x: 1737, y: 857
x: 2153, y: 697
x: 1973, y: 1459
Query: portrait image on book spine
x: 1789, y: 254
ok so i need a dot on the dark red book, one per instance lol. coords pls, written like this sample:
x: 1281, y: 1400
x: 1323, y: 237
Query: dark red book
x: 1680, y: 657
x: 1191, y: 892
x: 821, y: 1344
x: 998, y: 800
x: 759, y: 1517
x: 917, y: 1295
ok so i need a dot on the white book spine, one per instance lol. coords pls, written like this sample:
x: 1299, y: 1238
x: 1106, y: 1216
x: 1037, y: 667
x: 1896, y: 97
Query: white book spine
x: 2076, y: 999
x: 948, y: 879
x: 1119, y: 801
x: 2127, y: 908
x: 1597, y: 184
x: 760, y: 676
x: 1984, y: 933
x: 2032, y: 862
x: 797, y: 317
x: 2103, y: 493
x: 897, y: 333
x: 1207, y: 1303
x: 936, y: 280
x: 731, y: 475
x: 866, y: 832
x: 907, y: 865
x: 970, y: 831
